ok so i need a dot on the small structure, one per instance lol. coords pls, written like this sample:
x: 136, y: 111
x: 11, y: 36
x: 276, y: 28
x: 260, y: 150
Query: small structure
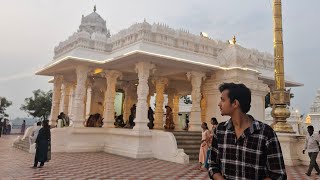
x: 91, y: 66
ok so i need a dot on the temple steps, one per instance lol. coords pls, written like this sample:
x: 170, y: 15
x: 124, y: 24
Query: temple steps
x: 189, y: 142
x: 22, y: 145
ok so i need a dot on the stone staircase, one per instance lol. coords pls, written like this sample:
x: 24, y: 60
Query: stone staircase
x: 189, y: 142
x: 22, y: 144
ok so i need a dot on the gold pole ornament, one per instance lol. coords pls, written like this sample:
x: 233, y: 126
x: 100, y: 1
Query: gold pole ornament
x: 280, y: 97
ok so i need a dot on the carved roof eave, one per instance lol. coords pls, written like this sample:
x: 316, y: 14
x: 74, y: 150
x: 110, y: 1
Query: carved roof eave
x: 288, y: 83
x: 69, y: 62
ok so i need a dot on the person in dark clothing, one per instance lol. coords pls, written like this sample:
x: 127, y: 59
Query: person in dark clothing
x: 119, y: 122
x: 42, y: 145
x: 132, y: 116
x: 1, y: 126
x: 4, y: 127
x: 151, y: 118
x: 23, y: 127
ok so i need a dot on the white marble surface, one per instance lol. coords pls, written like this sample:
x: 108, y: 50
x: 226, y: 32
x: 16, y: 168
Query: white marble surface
x: 125, y: 142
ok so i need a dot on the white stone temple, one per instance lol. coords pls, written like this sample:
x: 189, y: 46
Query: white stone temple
x: 96, y: 72
x: 315, y: 112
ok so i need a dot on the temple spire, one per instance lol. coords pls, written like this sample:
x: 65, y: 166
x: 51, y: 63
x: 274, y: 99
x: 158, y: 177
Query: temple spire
x: 94, y: 8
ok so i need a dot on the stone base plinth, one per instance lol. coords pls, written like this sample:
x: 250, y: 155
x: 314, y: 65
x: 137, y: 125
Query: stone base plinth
x: 125, y: 142
x: 195, y: 122
x: 292, y: 146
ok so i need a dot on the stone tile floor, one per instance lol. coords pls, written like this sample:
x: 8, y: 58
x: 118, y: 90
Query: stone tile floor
x: 15, y: 164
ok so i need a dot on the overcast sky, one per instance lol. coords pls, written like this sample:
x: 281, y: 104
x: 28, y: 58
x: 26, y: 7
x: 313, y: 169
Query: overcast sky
x: 30, y: 29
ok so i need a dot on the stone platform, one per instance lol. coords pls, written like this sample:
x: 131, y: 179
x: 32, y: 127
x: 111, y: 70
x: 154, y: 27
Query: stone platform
x: 15, y: 164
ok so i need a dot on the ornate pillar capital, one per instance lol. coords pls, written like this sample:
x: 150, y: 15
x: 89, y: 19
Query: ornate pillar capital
x: 143, y: 69
x: 112, y: 74
x: 196, y: 77
x: 160, y: 83
x: 58, y: 78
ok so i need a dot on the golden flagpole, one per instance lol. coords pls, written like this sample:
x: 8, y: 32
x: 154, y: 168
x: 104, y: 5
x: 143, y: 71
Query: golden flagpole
x: 280, y: 97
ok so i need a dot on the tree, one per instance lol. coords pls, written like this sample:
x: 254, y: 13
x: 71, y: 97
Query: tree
x: 4, y: 104
x: 39, y: 105
x: 186, y: 99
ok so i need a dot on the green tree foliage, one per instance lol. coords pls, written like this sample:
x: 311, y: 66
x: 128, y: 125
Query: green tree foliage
x: 38, y: 106
x: 4, y: 105
x: 186, y: 99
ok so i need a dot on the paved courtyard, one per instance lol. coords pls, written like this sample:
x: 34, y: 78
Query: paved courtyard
x: 15, y: 164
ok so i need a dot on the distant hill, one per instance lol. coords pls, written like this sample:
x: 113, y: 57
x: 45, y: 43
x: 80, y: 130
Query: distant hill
x: 29, y: 121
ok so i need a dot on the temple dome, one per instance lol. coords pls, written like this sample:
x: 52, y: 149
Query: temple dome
x: 94, y: 23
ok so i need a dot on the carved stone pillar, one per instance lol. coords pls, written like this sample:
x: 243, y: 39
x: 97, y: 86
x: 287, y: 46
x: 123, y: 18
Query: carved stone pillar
x: 160, y: 84
x: 65, y: 97
x: 56, y: 95
x: 143, y: 70
x: 195, y: 115
x: 78, y: 105
x: 110, y: 93
x: 171, y: 93
x: 128, y: 101
x: 89, y: 97
x: 203, y: 106
x: 176, y: 100
x: 72, y: 88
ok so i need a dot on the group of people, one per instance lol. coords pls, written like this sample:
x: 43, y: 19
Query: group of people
x: 42, y: 137
x: 5, y: 127
x: 206, y: 141
x: 63, y: 120
x: 94, y: 120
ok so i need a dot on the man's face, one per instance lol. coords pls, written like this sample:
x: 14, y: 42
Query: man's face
x: 224, y: 104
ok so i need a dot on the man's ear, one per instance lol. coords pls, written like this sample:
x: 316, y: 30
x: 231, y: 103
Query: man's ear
x: 236, y: 103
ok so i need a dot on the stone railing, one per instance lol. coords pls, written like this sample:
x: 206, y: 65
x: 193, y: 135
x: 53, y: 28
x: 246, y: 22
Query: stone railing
x: 83, y: 39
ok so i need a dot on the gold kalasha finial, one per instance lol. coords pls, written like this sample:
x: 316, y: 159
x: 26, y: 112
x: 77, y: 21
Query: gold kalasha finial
x: 234, y: 39
x: 94, y: 8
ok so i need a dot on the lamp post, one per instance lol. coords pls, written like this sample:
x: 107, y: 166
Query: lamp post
x: 280, y: 97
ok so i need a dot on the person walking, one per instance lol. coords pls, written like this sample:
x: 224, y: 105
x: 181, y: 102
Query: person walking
x: 23, y: 127
x: 35, y: 133
x: 312, y: 146
x: 243, y: 147
x: 42, y: 145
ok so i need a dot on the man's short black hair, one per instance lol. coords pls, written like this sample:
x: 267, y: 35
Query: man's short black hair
x: 238, y: 92
x: 310, y: 127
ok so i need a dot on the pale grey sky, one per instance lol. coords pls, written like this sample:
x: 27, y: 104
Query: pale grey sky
x: 30, y: 29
